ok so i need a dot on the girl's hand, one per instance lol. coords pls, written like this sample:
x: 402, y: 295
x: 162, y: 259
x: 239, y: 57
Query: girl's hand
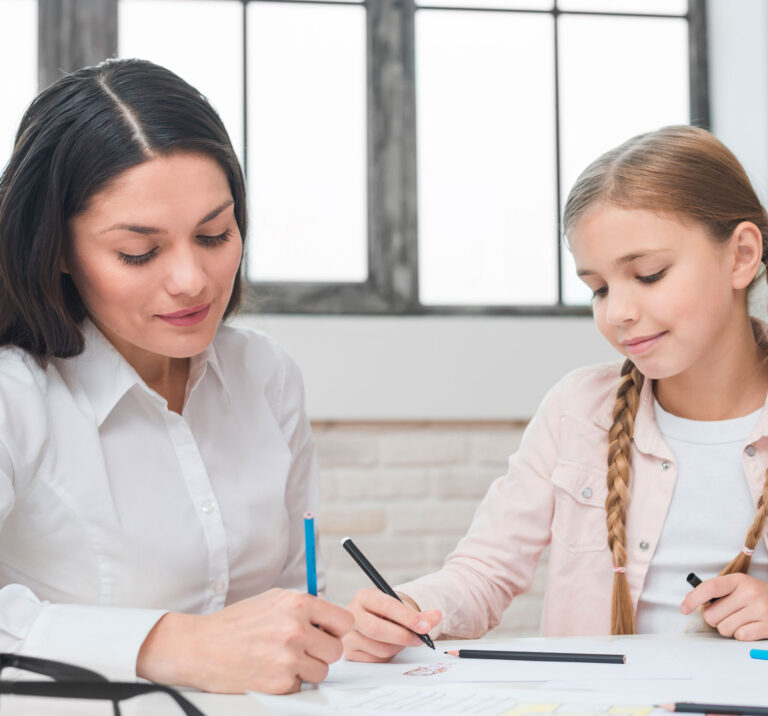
x: 268, y: 643
x: 741, y: 609
x: 384, y: 626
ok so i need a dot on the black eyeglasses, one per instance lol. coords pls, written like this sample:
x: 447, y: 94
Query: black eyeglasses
x: 75, y: 682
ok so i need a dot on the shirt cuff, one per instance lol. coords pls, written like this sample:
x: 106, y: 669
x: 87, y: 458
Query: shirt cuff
x: 104, y: 639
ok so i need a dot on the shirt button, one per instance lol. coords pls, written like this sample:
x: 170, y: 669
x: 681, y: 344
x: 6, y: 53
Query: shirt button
x: 219, y: 586
x: 586, y: 493
x: 208, y: 506
x: 750, y: 450
x: 665, y: 465
x: 644, y: 546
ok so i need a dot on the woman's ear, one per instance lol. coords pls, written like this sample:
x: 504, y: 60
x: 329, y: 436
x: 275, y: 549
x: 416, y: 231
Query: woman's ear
x: 747, y: 242
x: 63, y: 265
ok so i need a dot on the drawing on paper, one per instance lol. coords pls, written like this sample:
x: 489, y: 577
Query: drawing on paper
x: 428, y: 670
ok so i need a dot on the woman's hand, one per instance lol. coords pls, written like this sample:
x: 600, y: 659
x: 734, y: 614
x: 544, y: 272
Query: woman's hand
x: 268, y: 643
x: 384, y: 626
x: 741, y: 609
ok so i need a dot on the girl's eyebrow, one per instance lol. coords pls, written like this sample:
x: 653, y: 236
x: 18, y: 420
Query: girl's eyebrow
x: 628, y: 258
x: 149, y: 230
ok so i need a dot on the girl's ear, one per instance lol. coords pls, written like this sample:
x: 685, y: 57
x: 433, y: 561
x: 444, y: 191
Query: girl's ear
x: 747, y: 244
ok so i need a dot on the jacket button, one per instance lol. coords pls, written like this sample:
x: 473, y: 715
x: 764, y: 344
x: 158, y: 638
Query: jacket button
x: 644, y: 546
x: 586, y: 493
x: 750, y: 450
x: 666, y: 465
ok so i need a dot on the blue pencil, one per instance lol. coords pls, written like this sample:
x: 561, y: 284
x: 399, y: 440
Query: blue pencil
x: 309, y: 548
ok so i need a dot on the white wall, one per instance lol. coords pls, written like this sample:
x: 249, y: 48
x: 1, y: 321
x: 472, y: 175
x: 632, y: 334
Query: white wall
x: 499, y: 368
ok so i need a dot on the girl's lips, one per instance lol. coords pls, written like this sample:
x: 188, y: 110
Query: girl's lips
x: 187, y: 317
x: 635, y: 347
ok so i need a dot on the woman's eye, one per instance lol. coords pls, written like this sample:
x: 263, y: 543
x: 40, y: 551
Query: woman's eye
x: 215, y: 240
x: 137, y: 259
x: 599, y: 292
x: 652, y: 278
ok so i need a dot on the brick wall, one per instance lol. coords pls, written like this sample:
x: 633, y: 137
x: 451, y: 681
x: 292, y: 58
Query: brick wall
x: 406, y: 493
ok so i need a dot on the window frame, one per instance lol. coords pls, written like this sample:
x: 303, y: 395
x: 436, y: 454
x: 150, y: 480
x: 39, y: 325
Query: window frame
x: 392, y: 286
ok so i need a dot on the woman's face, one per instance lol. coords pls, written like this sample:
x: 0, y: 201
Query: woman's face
x: 155, y: 255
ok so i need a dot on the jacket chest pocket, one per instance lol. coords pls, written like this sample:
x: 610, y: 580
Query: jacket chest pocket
x: 579, y: 517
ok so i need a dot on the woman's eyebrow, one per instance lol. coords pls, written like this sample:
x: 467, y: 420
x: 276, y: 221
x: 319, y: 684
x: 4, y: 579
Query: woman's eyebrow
x: 149, y: 230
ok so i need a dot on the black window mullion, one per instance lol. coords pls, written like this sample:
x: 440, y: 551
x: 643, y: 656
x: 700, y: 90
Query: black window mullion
x: 73, y: 34
x: 699, y: 63
x: 558, y: 188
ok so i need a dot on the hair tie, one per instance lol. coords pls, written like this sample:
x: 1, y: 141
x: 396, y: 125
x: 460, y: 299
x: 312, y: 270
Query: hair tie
x: 749, y: 552
x: 619, y: 570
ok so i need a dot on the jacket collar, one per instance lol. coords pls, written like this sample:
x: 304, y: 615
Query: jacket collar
x: 647, y: 438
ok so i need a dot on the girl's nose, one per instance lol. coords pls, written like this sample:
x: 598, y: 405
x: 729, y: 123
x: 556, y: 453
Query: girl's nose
x: 620, y: 308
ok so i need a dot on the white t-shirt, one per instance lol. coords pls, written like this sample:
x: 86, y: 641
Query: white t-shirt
x: 114, y: 509
x: 707, y: 520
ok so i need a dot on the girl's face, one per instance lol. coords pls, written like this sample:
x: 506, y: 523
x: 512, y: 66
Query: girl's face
x: 155, y: 255
x: 663, y: 290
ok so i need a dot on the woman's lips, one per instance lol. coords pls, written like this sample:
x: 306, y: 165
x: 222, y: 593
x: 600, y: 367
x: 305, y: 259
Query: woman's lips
x: 640, y: 345
x: 187, y: 316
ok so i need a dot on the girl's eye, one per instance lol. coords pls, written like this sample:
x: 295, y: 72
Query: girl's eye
x: 215, y: 240
x: 652, y: 278
x: 137, y: 259
x: 600, y: 292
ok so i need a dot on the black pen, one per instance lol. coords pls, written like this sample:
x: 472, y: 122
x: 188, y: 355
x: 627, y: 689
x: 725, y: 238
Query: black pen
x: 376, y: 578
x: 694, y: 581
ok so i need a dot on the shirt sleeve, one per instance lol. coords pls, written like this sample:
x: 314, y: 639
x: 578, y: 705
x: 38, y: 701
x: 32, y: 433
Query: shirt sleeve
x: 497, y: 558
x: 104, y: 639
x: 303, y: 479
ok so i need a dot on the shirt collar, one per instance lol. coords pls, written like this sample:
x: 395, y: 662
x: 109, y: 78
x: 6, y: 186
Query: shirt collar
x: 199, y: 365
x: 647, y: 436
x: 106, y: 376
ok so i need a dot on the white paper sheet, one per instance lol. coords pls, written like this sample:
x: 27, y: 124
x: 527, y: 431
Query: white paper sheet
x: 453, y: 699
x: 645, y: 660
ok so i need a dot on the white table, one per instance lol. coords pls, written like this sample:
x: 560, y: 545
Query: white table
x: 242, y: 705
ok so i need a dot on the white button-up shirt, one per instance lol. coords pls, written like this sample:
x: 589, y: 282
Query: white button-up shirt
x: 114, y: 509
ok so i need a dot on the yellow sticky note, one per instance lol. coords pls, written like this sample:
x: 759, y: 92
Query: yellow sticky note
x: 630, y: 710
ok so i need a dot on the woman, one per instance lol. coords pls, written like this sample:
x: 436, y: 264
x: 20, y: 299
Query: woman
x: 154, y: 463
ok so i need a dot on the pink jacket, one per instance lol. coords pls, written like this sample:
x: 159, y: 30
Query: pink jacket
x: 554, y: 494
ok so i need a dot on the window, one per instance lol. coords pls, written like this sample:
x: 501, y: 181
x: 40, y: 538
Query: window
x: 412, y: 157
x: 19, y: 51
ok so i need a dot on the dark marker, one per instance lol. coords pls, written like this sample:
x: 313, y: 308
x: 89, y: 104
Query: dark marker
x: 694, y: 581
x: 376, y: 578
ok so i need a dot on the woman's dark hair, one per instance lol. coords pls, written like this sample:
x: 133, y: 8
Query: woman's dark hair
x: 74, y: 138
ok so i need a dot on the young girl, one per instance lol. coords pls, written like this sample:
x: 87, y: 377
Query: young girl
x: 668, y: 233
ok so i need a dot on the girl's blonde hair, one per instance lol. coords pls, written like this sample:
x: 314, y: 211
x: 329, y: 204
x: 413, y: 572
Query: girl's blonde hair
x: 686, y: 172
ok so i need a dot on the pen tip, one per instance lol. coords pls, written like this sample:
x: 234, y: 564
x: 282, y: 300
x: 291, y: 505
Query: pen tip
x: 452, y: 653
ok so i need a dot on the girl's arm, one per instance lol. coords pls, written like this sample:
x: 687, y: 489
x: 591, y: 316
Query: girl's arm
x: 495, y: 561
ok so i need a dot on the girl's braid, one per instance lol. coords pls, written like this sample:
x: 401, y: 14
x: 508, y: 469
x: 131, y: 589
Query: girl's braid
x: 619, y: 452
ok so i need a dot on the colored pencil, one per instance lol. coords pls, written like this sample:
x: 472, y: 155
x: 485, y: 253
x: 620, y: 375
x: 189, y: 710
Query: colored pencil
x: 309, y: 549
x: 691, y: 708
x: 376, y: 578
x: 539, y: 656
